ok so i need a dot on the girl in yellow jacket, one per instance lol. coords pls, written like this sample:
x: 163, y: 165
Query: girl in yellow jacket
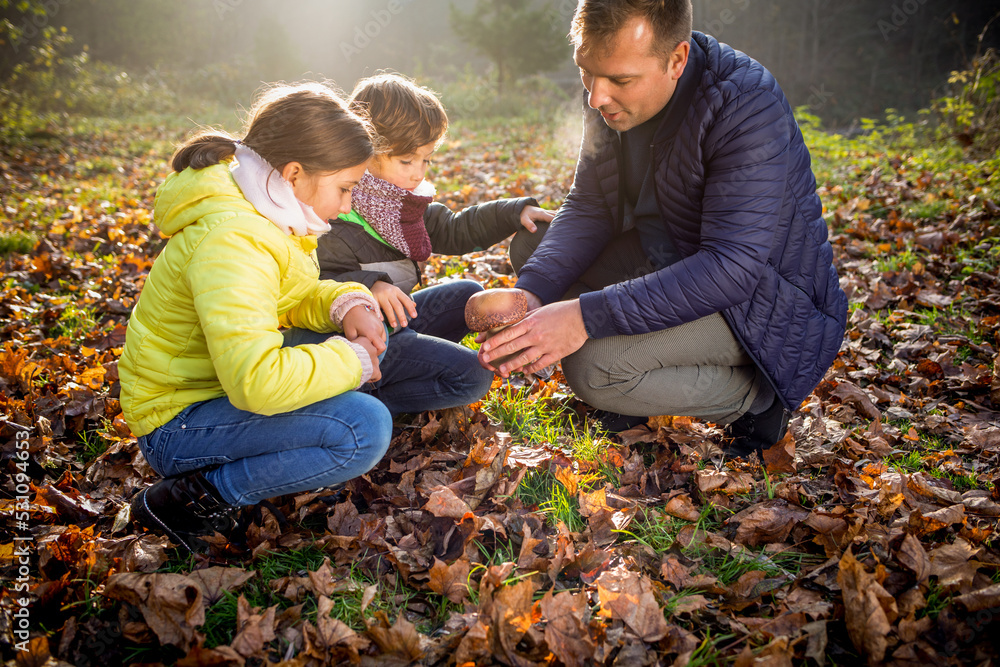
x: 222, y: 408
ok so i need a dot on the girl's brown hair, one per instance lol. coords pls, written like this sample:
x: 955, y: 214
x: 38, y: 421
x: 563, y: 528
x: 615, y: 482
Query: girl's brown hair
x: 405, y: 115
x: 306, y: 123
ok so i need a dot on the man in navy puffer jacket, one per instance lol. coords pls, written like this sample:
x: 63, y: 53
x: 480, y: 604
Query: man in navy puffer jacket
x: 692, y: 236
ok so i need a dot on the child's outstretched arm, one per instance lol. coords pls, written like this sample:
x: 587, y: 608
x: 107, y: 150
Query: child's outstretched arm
x: 479, y: 226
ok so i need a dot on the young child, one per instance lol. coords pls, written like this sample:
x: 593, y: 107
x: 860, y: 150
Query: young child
x: 393, y: 226
x: 223, y: 407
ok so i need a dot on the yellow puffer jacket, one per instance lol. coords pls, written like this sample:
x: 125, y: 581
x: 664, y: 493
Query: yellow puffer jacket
x: 207, y: 322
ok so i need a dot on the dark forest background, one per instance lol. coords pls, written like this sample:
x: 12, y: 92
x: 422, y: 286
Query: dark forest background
x: 844, y: 59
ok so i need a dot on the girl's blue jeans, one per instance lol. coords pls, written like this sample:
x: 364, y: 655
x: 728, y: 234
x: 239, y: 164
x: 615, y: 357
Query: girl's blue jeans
x: 424, y: 367
x: 261, y: 456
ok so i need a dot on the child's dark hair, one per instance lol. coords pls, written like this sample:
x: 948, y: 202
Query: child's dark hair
x: 405, y: 115
x: 306, y: 123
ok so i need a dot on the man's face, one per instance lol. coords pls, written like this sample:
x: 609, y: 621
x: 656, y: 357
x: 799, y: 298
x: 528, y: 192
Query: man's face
x: 627, y: 83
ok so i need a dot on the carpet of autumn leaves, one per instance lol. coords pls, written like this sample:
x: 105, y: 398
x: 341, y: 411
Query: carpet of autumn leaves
x: 511, y: 532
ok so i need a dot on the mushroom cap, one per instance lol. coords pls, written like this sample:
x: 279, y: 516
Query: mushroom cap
x: 494, y: 308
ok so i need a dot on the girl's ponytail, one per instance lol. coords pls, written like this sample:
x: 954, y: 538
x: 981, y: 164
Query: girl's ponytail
x: 203, y: 150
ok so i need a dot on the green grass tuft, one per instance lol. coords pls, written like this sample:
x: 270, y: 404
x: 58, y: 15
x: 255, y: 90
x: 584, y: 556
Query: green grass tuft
x: 541, y: 489
x: 93, y: 445
x: 543, y: 421
x: 17, y: 242
x: 911, y: 462
x: 708, y: 653
x: 654, y: 530
x: 937, y: 599
x: 523, y: 416
x: 74, y: 322
x: 898, y: 261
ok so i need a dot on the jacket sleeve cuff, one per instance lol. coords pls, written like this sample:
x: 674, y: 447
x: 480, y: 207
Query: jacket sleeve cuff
x: 345, y: 302
x: 597, y: 318
x: 539, y: 286
x: 363, y: 357
x: 521, y: 202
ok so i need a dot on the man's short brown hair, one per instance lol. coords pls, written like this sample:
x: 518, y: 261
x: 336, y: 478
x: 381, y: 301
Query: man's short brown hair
x: 406, y: 116
x: 597, y: 22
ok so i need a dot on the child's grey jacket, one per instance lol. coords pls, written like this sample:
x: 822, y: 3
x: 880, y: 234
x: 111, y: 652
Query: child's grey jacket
x: 348, y: 253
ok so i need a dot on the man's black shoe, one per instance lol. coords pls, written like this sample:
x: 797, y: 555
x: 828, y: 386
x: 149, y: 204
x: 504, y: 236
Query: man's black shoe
x: 613, y: 423
x: 756, y: 432
x: 184, y: 508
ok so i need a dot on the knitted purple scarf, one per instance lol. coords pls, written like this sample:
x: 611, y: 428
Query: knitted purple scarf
x: 396, y: 214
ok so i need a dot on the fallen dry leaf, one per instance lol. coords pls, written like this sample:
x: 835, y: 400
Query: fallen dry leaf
x: 628, y: 596
x: 253, y: 630
x: 475, y: 647
x: 220, y: 656
x: 721, y: 481
x: 512, y: 619
x: 451, y: 581
x: 331, y: 640
x: 912, y: 555
x: 566, y: 628
x: 214, y: 581
x: 850, y: 393
x: 767, y: 522
x: 952, y: 564
x: 444, y: 503
x: 984, y: 598
x: 780, y: 457
x: 399, y: 640
x: 868, y: 609
x: 171, y: 604
x: 682, y: 507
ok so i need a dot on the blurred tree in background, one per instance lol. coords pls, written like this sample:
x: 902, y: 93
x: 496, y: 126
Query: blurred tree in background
x: 518, y: 36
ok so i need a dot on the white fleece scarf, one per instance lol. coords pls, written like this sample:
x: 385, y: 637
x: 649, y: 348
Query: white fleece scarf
x: 272, y: 195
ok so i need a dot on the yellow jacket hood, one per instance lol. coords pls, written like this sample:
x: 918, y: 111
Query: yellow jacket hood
x: 186, y: 197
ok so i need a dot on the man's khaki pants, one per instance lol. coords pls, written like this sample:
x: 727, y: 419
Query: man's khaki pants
x: 697, y: 369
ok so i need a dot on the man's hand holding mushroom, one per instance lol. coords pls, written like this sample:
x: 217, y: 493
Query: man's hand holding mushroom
x: 543, y: 337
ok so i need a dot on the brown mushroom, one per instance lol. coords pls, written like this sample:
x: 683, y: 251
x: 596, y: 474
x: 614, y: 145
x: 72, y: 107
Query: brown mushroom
x: 494, y: 310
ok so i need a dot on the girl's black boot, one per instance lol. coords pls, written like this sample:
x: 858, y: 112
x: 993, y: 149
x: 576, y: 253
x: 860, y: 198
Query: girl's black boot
x: 184, y: 508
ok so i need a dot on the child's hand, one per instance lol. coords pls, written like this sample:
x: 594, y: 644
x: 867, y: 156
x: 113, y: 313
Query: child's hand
x: 373, y: 352
x: 532, y: 214
x: 359, y: 322
x: 395, y: 303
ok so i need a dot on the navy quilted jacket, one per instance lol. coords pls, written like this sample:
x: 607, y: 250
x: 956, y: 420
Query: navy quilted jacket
x: 737, y: 196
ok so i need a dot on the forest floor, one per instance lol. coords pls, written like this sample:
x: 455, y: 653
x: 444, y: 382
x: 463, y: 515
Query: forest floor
x: 514, y: 531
